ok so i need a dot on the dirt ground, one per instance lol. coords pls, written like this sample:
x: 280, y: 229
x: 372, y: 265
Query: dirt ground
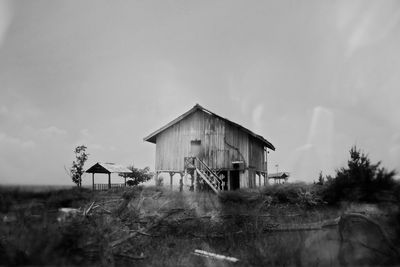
x: 156, y: 227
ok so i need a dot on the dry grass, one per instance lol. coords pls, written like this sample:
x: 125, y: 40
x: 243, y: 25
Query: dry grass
x: 156, y: 227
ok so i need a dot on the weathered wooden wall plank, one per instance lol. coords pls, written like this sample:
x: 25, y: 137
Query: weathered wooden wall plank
x: 221, y: 144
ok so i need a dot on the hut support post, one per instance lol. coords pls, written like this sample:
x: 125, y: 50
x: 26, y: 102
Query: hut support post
x: 109, y: 180
x: 125, y: 181
x: 228, y: 180
x: 93, y: 181
x: 181, y: 182
x: 259, y: 179
x: 171, y: 176
x: 192, y: 180
x: 196, y: 186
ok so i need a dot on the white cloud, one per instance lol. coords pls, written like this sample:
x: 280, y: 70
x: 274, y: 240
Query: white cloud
x: 6, y: 15
x: 257, y: 117
x: 96, y: 146
x: 368, y: 22
x: 53, y: 131
x: 85, y: 133
x: 87, y: 139
x: 15, y: 142
x: 3, y: 110
x: 317, y: 154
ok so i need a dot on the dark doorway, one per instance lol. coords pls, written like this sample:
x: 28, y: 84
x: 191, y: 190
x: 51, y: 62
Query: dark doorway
x: 235, y: 182
x: 223, y: 175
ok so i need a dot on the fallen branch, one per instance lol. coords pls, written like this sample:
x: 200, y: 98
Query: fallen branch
x: 203, y: 253
x: 152, y: 225
x: 142, y: 233
x: 208, y: 236
x: 261, y: 215
x: 163, y: 204
x: 304, y: 226
x: 141, y: 257
x: 122, y: 240
x: 194, y: 218
x: 216, y: 235
x: 86, y: 212
x: 100, y: 207
x: 156, y: 195
x: 107, y: 211
x: 110, y: 201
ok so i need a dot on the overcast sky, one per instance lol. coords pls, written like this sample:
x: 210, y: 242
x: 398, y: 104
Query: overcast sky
x: 312, y: 77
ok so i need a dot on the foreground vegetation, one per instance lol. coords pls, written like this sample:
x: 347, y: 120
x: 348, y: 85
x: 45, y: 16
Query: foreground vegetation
x: 350, y: 219
x: 278, y: 225
x: 360, y: 181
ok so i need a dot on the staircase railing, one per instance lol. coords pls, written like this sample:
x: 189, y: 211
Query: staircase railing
x: 207, y: 174
x: 210, y: 173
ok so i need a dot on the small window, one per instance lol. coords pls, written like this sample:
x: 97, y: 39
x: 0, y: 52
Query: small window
x: 195, y: 148
x: 195, y: 142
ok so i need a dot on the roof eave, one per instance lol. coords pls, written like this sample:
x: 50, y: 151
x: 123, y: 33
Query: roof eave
x: 152, y: 137
x: 270, y: 146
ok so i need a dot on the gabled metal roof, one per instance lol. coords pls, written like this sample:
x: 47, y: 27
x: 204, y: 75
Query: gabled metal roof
x: 107, y: 168
x: 279, y: 175
x: 152, y: 137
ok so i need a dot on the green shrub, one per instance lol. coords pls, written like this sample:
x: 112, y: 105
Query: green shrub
x: 360, y: 181
x: 239, y: 196
x: 293, y: 193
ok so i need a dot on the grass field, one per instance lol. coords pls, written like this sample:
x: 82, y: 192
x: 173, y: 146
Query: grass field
x: 150, y: 226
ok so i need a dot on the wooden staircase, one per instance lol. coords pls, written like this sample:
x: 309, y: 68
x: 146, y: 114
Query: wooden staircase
x: 208, y: 175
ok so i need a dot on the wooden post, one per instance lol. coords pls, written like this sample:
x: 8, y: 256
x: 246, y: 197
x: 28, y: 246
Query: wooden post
x: 229, y: 180
x: 181, y: 182
x: 171, y: 175
x: 192, y: 180
x: 93, y: 181
x: 109, y: 180
x: 195, y: 181
x: 259, y: 179
x: 191, y: 188
x: 125, y: 181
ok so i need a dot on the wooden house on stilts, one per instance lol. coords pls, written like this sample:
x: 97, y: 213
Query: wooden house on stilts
x: 212, y: 149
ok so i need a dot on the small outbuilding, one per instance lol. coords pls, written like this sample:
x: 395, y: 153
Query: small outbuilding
x: 107, y: 168
x: 279, y: 177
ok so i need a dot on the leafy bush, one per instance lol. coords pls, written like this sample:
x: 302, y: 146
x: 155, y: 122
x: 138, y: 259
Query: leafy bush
x: 360, y: 181
x: 137, y: 175
x: 289, y: 193
x: 239, y: 196
x: 293, y: 193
